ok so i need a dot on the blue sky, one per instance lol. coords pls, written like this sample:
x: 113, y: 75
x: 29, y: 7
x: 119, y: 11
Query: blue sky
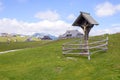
x: 56, y: 16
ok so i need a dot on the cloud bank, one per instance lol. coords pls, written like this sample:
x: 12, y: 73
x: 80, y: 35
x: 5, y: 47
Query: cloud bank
x: 48, y: 15
x: 71, y: 17
x: 54, y: 26
x: 106, y: 9
x: 45, y: 26
x: 115, y: 28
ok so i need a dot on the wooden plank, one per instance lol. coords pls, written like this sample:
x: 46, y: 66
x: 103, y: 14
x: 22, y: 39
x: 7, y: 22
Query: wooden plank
x: 78, y: 53
x: 75, y: 45
x: 74, y: 48
x: 96, y: 51
x: 70, y: 42
x: 98, y: 46
x: 67, y: 51
x: 98, y: 41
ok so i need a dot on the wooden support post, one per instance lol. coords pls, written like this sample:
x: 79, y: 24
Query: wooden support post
x: 89, y: 56
x: 86, y: 39
x: 86, y: 35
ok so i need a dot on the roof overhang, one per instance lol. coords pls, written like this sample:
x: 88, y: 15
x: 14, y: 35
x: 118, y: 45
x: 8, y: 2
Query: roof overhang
x: 84, y: 18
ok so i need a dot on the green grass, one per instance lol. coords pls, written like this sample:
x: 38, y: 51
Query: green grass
x: 18, y: 38
x: 20, y: 45
x: 47, y: 63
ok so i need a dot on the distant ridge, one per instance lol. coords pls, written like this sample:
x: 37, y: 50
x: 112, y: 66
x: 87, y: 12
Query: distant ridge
x: 41, y: 35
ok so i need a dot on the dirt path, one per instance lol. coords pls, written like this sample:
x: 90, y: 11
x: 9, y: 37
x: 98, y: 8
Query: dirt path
x: 9, y: 51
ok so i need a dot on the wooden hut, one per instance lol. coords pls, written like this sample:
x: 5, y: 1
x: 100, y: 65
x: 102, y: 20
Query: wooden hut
x: 46, y: 38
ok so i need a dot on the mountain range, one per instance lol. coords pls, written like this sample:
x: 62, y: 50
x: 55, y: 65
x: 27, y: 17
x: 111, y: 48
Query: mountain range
x: 41, y: 35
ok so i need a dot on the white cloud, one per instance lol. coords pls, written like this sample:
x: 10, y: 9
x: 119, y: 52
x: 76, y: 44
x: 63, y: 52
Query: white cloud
x: 48, y: 15
x: 113, y: 29
x: 106, y: 9
x: 51, y: 27
x: 71, y: 17
x: 100, y: 31
x: 116, y: 25
x: 50, y: 24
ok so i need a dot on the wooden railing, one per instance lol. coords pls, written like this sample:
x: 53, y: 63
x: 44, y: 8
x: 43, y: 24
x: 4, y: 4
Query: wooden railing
x: 78, y: 47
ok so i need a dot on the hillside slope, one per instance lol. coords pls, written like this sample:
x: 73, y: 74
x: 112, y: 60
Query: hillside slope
x: 48, y: 63
x: 21, y: 45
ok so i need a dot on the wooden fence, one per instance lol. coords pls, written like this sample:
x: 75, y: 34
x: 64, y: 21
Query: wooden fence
x: 78, y: 46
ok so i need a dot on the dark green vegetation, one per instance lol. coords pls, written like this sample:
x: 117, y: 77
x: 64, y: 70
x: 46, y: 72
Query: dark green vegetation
x: 47, y: 63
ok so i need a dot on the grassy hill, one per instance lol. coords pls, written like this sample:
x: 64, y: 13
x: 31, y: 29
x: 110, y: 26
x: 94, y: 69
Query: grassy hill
x: 20, y: 45
x: 18, y: 38
x: 47, y: 63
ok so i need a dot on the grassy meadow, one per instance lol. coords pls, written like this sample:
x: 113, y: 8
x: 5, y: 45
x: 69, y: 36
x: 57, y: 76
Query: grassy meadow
x: 18, y: 38
x: 20, y: 43
x: 46, y: 62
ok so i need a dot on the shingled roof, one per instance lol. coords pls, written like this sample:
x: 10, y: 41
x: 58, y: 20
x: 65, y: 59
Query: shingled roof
x: 84, y: 17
